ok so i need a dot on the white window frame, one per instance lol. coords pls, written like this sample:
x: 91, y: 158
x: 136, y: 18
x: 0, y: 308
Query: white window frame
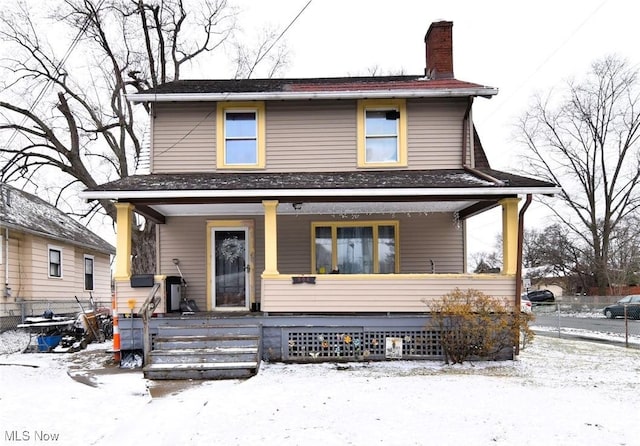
x: 58, y: 249
x: 93, y: 272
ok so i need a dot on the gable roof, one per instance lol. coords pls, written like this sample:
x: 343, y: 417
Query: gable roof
x: 25, y: 212
x: 405, y: 86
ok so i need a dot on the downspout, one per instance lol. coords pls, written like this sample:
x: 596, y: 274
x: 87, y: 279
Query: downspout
x: 466, y: 141
x: 519, y: 257
x: 6, y: 263
x: 465, y: 131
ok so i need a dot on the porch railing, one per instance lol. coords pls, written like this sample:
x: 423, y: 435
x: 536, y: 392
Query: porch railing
x: 149, y: 305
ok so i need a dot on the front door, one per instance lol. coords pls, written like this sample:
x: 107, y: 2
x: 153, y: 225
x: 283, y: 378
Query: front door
x: 230, y: 268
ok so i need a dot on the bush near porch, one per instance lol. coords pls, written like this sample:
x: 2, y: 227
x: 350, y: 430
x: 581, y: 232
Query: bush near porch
x: 473, y: 324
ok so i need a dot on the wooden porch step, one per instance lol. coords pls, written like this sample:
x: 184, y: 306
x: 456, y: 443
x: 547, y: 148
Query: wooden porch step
x: 230, y: 370
x: 204, y: 342
x: 205, y: 355
x: 199, y: 350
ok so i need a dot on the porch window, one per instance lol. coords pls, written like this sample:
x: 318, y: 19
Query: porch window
x: 55, y: 262
x: 240, y: 135
x: 381, y: 133
x: 88, y: 273
x: 355, y: 248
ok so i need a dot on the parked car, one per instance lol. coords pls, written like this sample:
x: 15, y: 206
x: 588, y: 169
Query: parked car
x: 525, y: 305
x: 632, y: 303
x: 540, y: 296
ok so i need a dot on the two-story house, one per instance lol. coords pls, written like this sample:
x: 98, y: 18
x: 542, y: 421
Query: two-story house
x: 327, y: 209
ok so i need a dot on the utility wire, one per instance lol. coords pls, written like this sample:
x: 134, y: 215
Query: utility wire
x: 49, y: 82
x: 283, y: 32
x: 549, y: 57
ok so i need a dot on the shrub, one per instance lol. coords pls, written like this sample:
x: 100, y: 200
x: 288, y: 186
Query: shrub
x: 472, y: 324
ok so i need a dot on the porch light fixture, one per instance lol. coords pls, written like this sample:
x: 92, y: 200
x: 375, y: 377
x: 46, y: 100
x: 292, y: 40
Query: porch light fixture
x: 297, y: 206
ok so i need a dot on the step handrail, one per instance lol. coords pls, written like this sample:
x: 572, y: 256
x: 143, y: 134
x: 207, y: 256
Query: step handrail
x: 146, y: 310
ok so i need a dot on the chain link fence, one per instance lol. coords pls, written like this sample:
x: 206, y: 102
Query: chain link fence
x: 584, y: 316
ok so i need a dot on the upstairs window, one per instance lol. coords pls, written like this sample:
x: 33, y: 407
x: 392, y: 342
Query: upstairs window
x: 55, y: 262
x: 382, y: 133
x: 88, y: 273
x: 240, y: 141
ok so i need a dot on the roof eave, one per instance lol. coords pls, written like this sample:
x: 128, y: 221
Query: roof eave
x: 302, y: 95
x: 302, y: 193
x: 110, y: 250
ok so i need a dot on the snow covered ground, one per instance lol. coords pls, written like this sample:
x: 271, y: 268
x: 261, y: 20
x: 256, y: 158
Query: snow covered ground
x: 559, y: 392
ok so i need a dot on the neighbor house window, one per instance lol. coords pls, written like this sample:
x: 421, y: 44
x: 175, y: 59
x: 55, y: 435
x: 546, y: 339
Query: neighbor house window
x: 240, y: 135
x: 382, y: 133
x: 355, y: 247
x: 88, y: 273
x: 55, y: 262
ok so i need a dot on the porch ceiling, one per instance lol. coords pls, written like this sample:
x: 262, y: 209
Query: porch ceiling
x: 305, y: 208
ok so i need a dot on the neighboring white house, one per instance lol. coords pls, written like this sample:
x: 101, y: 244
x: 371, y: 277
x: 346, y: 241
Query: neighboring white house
x: 46, y: 255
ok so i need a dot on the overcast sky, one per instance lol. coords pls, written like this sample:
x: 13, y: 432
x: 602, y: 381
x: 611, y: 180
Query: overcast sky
x: 518, y: 47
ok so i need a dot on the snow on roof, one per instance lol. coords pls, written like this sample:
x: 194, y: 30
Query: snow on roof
x: 25, y: 212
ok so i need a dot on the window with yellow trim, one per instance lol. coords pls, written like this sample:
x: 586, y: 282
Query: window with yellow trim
x: 382, y: 133
x: 240, y: 141
x: 355, y: 248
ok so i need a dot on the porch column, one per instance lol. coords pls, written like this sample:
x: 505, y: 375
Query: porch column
x: 124, y: 218
x: 270, y: 237
x: 509, y: 235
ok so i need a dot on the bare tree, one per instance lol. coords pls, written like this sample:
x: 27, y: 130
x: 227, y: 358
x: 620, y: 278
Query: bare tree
x: 66, y: 114
x: 585, y: 139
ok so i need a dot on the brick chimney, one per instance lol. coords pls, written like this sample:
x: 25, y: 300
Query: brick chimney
x: 439, y: 48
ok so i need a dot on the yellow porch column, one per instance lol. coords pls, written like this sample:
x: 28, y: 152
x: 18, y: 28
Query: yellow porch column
x: 124, y: 218
x: 509, y: 235
x: 270, y: 237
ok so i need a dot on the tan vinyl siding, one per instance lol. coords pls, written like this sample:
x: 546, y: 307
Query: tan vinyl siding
x: 435, y: 134
x: 422, y: 237
x: 18, y: 268
x: 305, y: 136
x: 434, y: 237
x: 403, y: 293
x: 29, y: 270
x: 311, y: 136
x: 101, y: 276
x: 184, y: 138
x: 125, y: 292
x: 184, y: 238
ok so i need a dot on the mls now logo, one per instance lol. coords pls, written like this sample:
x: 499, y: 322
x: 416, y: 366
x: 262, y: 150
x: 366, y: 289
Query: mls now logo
x: 17, y: 436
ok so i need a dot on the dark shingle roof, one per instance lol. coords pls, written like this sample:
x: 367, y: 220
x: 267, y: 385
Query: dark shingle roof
x: 434, y: 179
x: 25, y: 212
x: 335, y: 84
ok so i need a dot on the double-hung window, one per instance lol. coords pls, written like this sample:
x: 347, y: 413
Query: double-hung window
x: 55, y: 262
x: 240, y: 135
x: 88, y: 272
x: 382, y: 133
x: 355, y: 247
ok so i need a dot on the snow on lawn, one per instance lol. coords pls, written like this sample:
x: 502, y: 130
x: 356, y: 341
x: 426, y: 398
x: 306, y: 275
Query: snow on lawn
x: 559, y: 392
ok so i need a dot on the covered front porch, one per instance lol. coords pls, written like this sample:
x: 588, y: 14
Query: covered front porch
x: 278, y: 262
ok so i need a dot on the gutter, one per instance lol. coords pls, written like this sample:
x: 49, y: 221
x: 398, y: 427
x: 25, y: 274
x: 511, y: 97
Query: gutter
x: 276, y: 193
x: 519, y: 257
x: 483, y: 175
x: 298, y: 95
